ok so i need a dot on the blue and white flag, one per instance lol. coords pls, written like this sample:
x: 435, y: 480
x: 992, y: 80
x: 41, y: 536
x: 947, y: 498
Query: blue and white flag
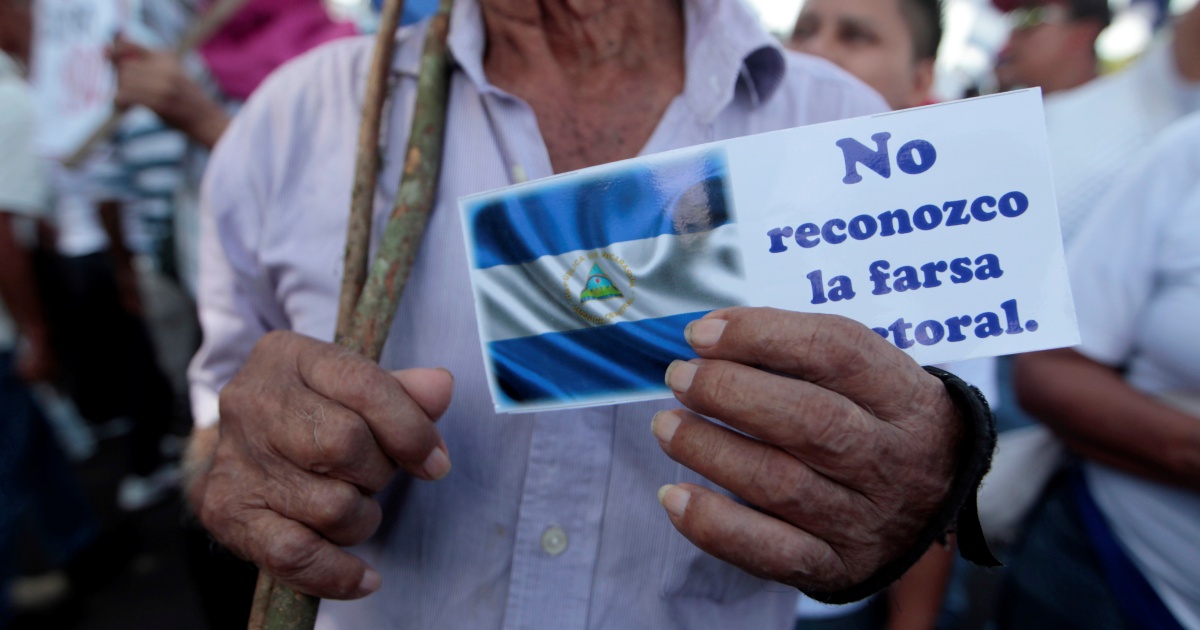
x: 585, y: 282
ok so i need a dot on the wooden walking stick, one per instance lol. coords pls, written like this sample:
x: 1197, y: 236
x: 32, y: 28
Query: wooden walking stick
x: 368, y: 303
x: 366, y: 168
x: 204, y: 28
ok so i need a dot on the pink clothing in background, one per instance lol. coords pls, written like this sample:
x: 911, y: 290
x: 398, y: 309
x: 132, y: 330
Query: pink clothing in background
x: 264, y: 35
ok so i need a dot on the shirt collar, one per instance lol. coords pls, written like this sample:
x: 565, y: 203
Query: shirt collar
x: 727, y: 53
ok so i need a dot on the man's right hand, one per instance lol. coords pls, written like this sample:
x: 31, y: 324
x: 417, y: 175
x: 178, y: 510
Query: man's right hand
x: 308, y: 432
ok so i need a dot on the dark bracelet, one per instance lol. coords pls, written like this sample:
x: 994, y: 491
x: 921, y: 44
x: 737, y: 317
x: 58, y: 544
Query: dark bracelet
x: 959, y: 513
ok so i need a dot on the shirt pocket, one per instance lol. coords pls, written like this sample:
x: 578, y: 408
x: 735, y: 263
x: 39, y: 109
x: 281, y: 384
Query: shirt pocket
x: 690, y: 572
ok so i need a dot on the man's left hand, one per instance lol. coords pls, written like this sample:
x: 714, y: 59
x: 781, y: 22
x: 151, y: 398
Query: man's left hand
x: 843, y: 443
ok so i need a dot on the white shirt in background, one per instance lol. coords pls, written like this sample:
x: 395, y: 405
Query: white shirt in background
x: 1135, y: 273
x: 1096, y: 129
x: 22, y: 179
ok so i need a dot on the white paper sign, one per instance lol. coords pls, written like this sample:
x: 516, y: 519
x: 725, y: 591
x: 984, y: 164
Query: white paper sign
x: 936, y: 227
x: 72, y: 77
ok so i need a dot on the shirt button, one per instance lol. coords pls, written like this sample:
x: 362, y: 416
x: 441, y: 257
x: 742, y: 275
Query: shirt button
x: 554, y: 541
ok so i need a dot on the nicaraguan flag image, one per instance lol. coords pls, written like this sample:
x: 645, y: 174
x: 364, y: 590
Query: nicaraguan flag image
x: 584, y: 282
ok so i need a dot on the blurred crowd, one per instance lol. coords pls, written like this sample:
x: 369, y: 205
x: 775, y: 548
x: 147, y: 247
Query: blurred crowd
x: 1096, y: 490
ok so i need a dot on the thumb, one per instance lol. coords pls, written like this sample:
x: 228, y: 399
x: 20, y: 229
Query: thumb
x: 431, y: 389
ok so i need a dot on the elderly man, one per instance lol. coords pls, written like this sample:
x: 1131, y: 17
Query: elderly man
x: 890, y: 44
x: 846, y: 458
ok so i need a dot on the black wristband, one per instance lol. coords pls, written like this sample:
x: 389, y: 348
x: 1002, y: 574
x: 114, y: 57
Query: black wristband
x: 959, y: 512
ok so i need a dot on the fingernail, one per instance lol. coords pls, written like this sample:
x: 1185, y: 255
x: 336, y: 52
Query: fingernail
x: 679, y: 376
x: 663, y: 426
x: 704, y: 333
x: 674, y: 499
x: 437, y: 465
x: 370, y: 583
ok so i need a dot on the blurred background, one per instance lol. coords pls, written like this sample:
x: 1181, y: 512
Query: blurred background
x: 99, y: 538
x: 975, y: 31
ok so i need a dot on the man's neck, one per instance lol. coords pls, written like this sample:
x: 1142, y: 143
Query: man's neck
x: 580, y: 42
x: 599, y: 74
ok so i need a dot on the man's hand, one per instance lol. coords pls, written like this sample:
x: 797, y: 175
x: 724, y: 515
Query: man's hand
x: 847, y: 446
x: 157, y: 80
x: 308, y: 432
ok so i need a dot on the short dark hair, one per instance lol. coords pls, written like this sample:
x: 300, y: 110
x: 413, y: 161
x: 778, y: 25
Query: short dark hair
x: 924, y: 18
x: 1097, y: 10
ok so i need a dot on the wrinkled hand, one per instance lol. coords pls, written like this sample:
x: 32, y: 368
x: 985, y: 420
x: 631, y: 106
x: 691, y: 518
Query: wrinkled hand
x: 308, y: 432
x: 157, y: 80
x: 849, y: 446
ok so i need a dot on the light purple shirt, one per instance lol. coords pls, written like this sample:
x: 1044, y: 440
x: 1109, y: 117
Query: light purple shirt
x: 548, y: 520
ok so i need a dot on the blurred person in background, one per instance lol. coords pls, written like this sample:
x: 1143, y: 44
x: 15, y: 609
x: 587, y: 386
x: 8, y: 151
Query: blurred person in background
x: 1131, y: 106
x: 1113, y: 543
x: 35, y: 478
x: 891, y: 45
x: 95, y: 310
x: 92, y: 277
x: 260, y: 37
x: 101, y: 288
x: 198, y: 95
x: 1052, y: 44
x: 1095, y: 129
x: 25, y: 195
x: 149, y: 159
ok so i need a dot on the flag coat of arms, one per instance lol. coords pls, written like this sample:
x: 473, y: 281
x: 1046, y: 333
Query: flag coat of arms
x: 584, y: 282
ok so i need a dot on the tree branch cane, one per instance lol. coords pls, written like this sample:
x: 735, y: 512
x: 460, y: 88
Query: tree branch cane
x: 366, y: 168
x: 364, y: 329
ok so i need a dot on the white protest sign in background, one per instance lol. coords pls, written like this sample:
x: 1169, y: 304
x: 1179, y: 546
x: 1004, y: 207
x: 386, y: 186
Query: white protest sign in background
x: 72, y: 77
x: 956, y: 253
x: 935, y: 227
